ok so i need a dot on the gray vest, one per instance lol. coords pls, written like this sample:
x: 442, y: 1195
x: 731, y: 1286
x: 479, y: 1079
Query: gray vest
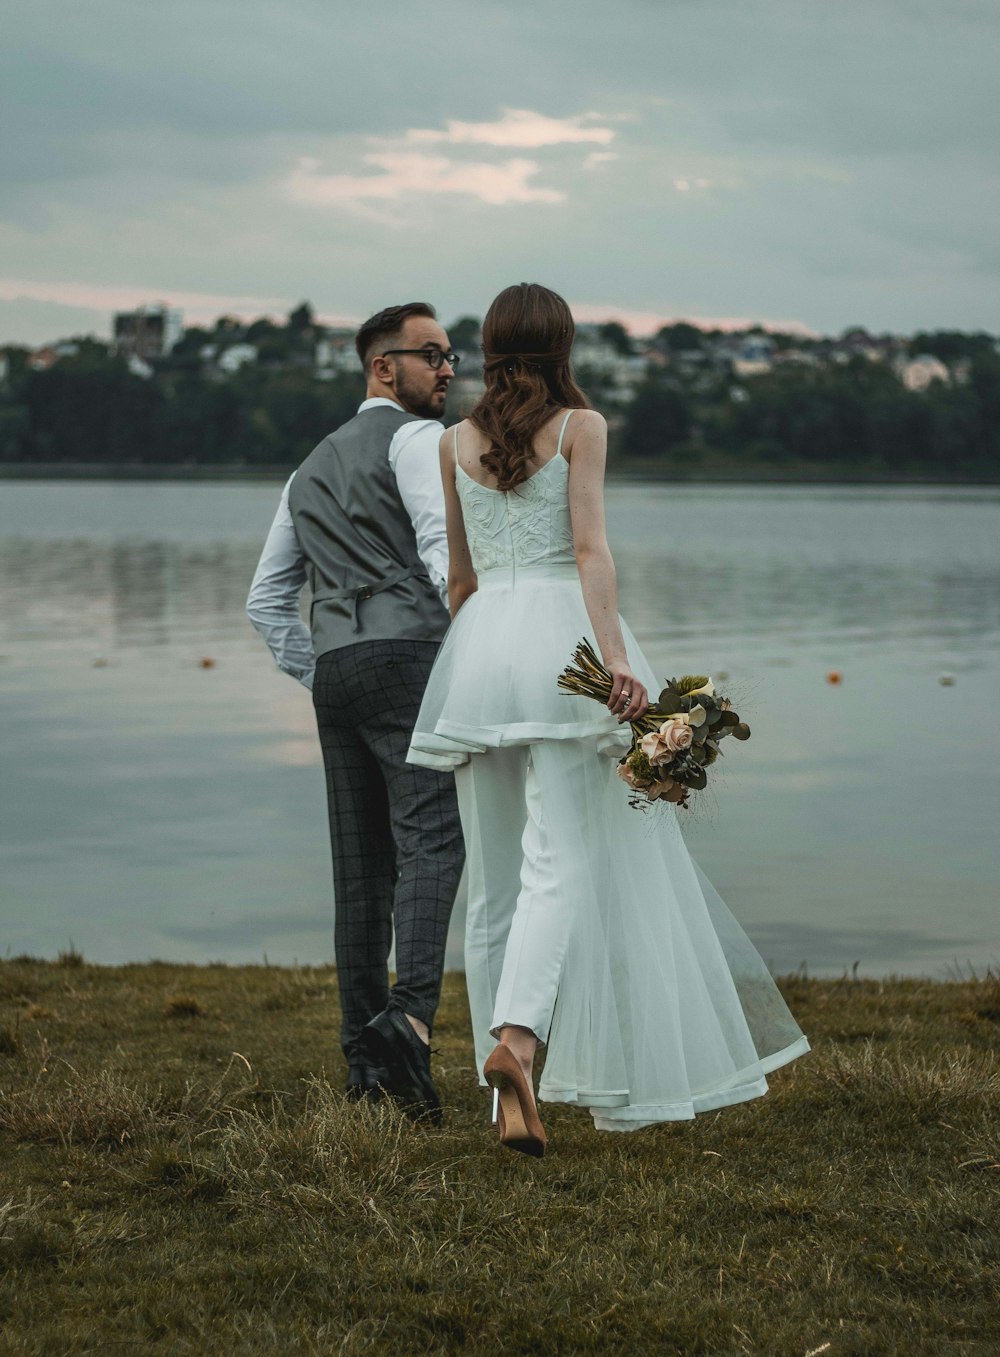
x: 367, y: 579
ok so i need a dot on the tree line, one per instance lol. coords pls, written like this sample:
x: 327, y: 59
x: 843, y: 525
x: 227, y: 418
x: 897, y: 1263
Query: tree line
x: 89, y: 407
x: 857, y: 415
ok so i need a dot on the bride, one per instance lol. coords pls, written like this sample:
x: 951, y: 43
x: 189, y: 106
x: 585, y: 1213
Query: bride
x: 590, y: 931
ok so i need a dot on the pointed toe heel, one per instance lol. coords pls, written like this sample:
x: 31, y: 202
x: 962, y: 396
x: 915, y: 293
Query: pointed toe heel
x: 514, y: 1111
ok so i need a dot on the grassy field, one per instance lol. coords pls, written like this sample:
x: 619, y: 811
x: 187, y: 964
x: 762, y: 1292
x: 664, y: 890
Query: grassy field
x: 180, y: 1173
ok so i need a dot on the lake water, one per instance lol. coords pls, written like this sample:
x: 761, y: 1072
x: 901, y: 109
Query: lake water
x: 153, y: 806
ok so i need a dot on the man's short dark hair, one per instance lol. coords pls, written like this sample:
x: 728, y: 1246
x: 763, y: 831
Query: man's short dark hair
x: 384, y: 327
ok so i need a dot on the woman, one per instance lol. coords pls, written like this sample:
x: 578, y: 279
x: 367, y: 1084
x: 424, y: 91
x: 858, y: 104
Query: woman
x: 589, y: 930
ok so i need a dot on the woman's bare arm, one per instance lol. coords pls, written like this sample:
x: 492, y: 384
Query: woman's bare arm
x: 587, y: 448
x: 461, y: 576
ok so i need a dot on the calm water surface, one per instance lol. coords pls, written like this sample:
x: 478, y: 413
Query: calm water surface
x: 153, y: 807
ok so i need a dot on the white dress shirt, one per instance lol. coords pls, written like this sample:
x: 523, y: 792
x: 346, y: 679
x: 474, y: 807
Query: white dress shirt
x: 273, y: 604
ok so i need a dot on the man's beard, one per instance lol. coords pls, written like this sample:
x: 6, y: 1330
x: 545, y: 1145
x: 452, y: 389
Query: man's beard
x: 415, y: 402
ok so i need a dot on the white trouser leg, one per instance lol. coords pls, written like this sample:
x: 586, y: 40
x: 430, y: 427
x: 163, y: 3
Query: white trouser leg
x: 536, y: 943
x: 491, y: 802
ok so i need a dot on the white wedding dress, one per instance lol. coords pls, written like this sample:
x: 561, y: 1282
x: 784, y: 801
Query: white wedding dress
x: 588, y: 921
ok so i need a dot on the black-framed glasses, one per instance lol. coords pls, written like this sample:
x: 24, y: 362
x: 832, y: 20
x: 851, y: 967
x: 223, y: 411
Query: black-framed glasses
x: 435, y: 357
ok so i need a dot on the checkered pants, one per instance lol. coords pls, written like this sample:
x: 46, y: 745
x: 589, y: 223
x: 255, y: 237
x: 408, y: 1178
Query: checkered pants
x: 394, y: 831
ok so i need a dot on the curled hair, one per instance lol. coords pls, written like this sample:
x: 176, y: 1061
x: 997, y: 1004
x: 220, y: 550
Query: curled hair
x: 527, y: 341
x: 385, y: 326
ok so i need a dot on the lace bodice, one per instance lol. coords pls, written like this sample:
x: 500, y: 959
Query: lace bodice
x: 526, y: 526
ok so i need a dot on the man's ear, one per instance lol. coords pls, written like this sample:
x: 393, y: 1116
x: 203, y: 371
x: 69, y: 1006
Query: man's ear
x: 382, y: 370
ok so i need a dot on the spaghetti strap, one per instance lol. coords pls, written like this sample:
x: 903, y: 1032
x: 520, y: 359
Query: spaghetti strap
x: 562, y: 433
x: 454, y: 439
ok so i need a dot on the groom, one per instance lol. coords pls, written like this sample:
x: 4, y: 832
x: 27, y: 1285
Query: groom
x: 362, y: 522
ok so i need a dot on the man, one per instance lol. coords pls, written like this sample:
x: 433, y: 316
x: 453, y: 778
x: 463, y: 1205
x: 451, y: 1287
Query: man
x: 362, y: 521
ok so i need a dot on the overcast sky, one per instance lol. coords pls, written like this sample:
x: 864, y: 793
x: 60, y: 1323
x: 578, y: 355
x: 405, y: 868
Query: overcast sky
x: 809, y: 161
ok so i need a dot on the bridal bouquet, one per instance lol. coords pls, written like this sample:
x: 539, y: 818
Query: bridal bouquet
x: 675, y: 740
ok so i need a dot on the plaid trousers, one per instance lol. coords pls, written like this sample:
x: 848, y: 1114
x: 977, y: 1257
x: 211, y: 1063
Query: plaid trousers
x: 395, y: 832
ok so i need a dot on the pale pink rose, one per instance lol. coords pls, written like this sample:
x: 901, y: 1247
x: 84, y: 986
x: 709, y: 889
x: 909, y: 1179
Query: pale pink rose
x: 628, y: 776
x: 675, y: 735
x: 655, y: 747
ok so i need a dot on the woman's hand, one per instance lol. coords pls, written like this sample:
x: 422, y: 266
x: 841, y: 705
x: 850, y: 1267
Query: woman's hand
x: 628, y: 698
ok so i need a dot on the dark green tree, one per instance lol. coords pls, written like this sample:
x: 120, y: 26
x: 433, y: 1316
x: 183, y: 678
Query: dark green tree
x: 301, y: 319
x: 261, y: 328
x: 680, y: 337
x: 658, y: 418
x: 17, y: 360
x: 191, y: 343
x: 951, y: 346
x: 615, y: 334
x: 465, y: 334
x: 89, y: 410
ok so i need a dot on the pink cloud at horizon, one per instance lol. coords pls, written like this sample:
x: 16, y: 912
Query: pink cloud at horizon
x: 639, y: 322
x: 201, y: 308
x: 198, y: 307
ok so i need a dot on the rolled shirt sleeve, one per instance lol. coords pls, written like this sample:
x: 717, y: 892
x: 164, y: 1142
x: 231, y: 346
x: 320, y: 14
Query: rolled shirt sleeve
x: 415, y: 461
x: 273, y: 602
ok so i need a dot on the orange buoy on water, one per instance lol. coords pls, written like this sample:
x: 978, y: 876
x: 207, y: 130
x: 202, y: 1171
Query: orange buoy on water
x: 834, y: 676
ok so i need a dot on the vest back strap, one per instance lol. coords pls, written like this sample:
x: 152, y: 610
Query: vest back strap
x: 366, y: 591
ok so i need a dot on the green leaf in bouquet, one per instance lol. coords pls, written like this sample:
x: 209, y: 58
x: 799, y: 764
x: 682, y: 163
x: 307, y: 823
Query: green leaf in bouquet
x: 715, y: 715
x: 729, y: 718
x: 741, y: 731
x: 696, y: 778
x: 669, y: 697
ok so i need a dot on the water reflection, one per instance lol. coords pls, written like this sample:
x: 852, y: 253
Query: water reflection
x: 140, y: 593
x: 155, y: 808
x: 123, y: 594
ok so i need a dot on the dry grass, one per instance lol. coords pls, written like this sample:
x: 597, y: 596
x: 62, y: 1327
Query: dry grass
x: 201, y: 1186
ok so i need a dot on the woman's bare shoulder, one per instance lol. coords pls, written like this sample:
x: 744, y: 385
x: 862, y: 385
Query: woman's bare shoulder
x: 586, y: 427
x: 450, y: 430
x: 591, y: 421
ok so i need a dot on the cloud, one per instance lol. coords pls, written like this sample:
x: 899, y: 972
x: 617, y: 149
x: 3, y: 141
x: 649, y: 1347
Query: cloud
x: 401, y: 171
x: 520, y: 127
x: 135, y: 155
x: 405, y: 173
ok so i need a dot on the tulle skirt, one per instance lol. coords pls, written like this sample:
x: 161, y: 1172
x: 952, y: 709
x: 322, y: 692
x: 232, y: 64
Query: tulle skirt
x: 660, y: 1006
x: 494, y: 679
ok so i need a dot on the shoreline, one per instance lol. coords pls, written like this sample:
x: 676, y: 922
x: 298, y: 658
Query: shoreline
x: 954, y: 973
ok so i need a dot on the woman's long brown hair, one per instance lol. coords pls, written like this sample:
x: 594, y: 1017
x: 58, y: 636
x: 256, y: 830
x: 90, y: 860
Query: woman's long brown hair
x: 527, y: 341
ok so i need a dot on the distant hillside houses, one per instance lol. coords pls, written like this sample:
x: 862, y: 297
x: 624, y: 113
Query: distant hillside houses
x: 148, y: 332
x: 596, y: 356
x: 610, y: 362
x: 335, y: 354
x: 916, y: 374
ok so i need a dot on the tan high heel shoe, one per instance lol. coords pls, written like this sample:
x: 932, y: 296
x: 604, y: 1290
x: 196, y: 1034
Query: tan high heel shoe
x: 513, y: 1104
